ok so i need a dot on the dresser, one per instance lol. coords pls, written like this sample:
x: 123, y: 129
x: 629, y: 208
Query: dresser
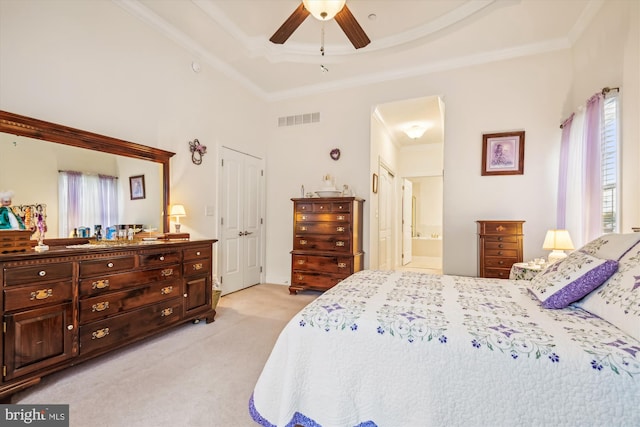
x: 499, y: 247
x: 68, y: 305
x: 327, y: 242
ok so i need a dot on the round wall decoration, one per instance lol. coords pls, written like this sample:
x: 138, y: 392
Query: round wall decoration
x: 335, y: 153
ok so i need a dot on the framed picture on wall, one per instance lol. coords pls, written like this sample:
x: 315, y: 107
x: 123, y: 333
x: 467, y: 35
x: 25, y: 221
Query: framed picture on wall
x: 136, y: 186
x: 503, y: 153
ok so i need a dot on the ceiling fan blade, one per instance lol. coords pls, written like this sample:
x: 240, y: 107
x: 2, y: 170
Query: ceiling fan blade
x: 290, y: 25
x: 351, y: 28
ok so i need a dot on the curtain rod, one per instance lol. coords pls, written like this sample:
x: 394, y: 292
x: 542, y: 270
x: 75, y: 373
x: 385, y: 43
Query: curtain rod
x: 604, y: 92
x: 87, y: 173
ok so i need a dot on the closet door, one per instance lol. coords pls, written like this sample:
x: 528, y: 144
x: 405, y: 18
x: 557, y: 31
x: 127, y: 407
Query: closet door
x: 241, y: 195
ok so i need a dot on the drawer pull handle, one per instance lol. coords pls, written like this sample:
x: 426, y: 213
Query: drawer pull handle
x: 100, y: 333
x: 339, y: 229
x: 303, y: 207
x: 303, y: 242
x: 167, y: 290
x: 500, y: 262
x: 340, y: 217
x: 166, y: 272
x: 110, y: 265
x: 198, y: 253
x: 100, y: 284
x: 303, y: 228
x: 321, y: 207
x: 161, y: 257
x: 342, y: 265
x: 339, y: 243
x: 340, y: 207
x: 501, y: 246
x: 42, y: 273
x: 70, y: 327
x: 499, y: 239
x: 101, y: 306
x: 166, y: 312
x: 303, y: 217
x: 301, y: 261
x: 499, y: 252
x: 197, y: 266
x: 41, y: 294
x: 300, y: 277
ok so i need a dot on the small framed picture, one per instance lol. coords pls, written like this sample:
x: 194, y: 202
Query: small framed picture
x: 136, y: 186
x: 374, y: 184
x: 503, y: 153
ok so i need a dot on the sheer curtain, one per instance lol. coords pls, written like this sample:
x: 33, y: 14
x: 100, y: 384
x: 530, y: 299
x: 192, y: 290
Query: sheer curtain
x: 580, y: 182
x: 86, y: 200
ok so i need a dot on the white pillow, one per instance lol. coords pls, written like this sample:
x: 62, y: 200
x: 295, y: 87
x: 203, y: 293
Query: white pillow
x: 618, y: 300
x: 611, y: 246
x: 570, y: 279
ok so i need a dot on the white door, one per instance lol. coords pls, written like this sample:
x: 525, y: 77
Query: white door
x: 240, y: 244
x: 385, y: 219
x: 407, y: 223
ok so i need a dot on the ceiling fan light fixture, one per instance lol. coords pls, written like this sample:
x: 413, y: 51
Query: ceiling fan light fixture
x: 324, y: 10
x: 415, y: 131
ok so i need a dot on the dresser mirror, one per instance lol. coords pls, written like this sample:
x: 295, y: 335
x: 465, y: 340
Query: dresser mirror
x: 34, y: 151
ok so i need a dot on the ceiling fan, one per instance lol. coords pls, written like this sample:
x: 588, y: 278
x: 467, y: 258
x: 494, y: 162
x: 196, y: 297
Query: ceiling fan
x: 323, y: 10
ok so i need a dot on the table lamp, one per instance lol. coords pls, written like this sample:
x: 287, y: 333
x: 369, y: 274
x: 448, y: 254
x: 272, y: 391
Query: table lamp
x: 557, y: 241
x: 177, y: 211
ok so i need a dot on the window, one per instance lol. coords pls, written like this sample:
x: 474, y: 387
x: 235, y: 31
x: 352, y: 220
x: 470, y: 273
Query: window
x: 609, y: 164
x: 86, y: 200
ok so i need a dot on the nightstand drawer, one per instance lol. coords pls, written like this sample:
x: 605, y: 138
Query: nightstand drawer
x: 509, y: 253
x: 498, y: 262
x: 497, y: 273
x: 498, y: 227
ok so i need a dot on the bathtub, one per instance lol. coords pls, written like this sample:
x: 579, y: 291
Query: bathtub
x: 426, y: 246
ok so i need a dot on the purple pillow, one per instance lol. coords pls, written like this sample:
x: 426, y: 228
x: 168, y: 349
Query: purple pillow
x: 571, y: 279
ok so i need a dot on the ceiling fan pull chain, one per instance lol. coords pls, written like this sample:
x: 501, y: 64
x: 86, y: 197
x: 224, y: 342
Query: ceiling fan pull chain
x: 322, y: 40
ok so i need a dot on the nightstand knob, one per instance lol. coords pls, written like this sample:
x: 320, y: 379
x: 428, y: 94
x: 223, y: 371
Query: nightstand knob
x: 499, y: 252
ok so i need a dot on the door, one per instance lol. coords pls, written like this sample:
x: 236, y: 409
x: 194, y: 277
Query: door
x: 385, y: 219
x: 241, y: 195
x: 407, y: 220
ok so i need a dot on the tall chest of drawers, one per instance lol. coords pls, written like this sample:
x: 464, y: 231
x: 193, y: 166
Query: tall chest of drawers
x: 327, y: 242
x: 499, y: 247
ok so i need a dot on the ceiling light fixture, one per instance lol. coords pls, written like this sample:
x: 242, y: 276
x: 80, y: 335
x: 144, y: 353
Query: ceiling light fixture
x: 324, y: 10
x: 415, y: 131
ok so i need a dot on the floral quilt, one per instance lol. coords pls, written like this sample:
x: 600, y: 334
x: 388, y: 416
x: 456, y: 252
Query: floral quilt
x: 390, y: 348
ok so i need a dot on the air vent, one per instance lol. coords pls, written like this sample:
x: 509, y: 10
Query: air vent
x: 300, y: 119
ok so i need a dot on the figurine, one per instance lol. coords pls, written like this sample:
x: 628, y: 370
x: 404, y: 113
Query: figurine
x: 8, y: 219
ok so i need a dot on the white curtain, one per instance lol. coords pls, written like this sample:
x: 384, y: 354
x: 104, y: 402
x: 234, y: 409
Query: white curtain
x: 574, y: 219
x: 86, y: 200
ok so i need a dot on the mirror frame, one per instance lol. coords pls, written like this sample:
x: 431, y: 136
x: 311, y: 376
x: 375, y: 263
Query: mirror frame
x: 39, y: 129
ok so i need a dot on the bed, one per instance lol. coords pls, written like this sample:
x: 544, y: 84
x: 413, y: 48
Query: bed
x: 393, y: 348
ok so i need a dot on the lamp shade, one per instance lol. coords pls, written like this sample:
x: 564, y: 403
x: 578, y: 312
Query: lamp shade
x: 557, y: 240
x: 324, y: 10
x: 178, y: 211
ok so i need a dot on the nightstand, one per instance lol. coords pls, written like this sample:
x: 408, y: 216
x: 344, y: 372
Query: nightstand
x: 525, y: 271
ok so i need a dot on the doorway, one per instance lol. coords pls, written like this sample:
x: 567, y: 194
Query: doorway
x: 241, y: 221
x: 407, y: 137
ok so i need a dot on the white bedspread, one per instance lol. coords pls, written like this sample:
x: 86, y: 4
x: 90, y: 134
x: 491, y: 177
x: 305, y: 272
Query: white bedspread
x: 404, y: 349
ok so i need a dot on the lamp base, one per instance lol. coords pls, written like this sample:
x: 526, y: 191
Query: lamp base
x: 177, y: 227
x: 556, y: 255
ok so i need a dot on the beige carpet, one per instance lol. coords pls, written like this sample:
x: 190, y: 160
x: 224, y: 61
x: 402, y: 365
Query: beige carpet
x: 195, y: 375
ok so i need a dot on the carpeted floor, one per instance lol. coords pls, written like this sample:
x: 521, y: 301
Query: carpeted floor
x: 194, y: 375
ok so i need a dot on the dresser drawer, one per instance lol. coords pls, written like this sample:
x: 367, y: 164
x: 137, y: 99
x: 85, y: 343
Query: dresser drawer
x: 327, y: 264
x: 159, y: 258
x: 197, y: 266
x: 195, y: 253
x: 315, y: 280
x: 499, y: 262
x: 107, y: 265
x: 323, y: 228
x: 497, y: 273
x: 498, y: 227
x: 32, y: 296
x: 340, y: 207
x: 496, y: 241
x: 115, y: 330
x: 323, y: 243
x: 111, y: 303
x: 509, y: 253
x: 323, y: 217
x: 38, y: 274
x: 105, y: 283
